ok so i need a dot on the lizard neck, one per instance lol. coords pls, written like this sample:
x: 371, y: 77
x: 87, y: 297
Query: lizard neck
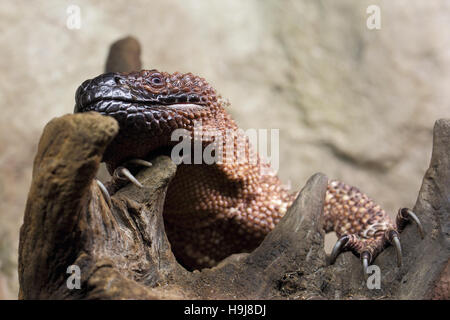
x: 238, y: 196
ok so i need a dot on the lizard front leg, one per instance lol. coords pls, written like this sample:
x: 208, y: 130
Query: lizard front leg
x: 361, y: 225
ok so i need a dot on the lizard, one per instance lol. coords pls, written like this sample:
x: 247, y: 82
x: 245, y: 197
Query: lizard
x: 213, y: 210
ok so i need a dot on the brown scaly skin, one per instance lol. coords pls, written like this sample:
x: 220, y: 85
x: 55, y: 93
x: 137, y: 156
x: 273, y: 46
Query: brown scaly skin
x: 214, y: 210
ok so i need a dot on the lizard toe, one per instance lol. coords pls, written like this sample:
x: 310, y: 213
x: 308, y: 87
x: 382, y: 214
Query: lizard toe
x: 122, y: 173
x: 405, y: 216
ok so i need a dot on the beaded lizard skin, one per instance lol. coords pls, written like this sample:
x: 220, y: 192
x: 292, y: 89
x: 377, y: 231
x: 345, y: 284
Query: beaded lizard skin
x: 214, y: 210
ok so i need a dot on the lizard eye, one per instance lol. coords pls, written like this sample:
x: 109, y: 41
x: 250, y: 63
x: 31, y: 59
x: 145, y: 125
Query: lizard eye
x: 156, y: 80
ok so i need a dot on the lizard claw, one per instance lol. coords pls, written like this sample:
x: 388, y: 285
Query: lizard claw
x: 394, y: 239
x: 365, y: 258
x: 404, y: 216
x: 123, y: 173
x: 104, y: 192
x: 139, y: 162
x: 338, y: 248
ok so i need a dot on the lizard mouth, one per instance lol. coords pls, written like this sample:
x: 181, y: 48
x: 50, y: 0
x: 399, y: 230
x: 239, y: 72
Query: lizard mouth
x: 137, y: 111
x: 145, y: 129
x: 146, y: 119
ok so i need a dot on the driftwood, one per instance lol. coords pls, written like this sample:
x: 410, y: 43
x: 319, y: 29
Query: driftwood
x: 124, y: 253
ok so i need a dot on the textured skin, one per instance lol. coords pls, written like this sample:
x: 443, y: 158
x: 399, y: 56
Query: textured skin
x: 214, y: 210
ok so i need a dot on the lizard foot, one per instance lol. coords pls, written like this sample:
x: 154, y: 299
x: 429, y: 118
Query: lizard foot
x: 121, y: 176
x: 368, y: 248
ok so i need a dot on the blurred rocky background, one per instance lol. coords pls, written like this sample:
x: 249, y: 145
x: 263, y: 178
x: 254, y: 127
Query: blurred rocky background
x: 353, y: 103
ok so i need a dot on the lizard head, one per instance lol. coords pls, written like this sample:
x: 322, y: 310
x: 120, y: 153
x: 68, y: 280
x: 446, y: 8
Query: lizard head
x: 148, y: 105
x: 148, y: 101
